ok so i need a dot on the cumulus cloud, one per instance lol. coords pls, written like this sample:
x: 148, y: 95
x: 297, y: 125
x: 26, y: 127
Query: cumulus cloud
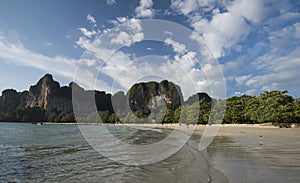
x: 251, y: 10
x: 187, y: 6
x: 86, y: 32
x: 92, y: 20
x: 222, y: 33
x: 126, y: 72
x: 124, y: 69
x: 126, y: 40
x: 177, y: 47
x: 131, y: 32
x: 144, y: 10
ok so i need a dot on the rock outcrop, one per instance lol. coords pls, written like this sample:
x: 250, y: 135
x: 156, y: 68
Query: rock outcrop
x: 144, y: 96
x: 89, y: 101
x: 198, y: 97
x: 48, y: 94
x: 51, y: 101
x: 9, y: 100
x: 47, y: 100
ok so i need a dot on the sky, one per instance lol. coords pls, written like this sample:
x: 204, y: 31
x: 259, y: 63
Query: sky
x: 224, y: 48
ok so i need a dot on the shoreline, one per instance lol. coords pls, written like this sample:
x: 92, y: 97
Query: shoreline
x: 168, y: 125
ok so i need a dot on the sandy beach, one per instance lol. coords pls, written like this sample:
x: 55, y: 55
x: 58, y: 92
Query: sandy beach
x: 250, y: 153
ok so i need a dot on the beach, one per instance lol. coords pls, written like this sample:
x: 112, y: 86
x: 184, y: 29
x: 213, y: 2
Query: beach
x: 246, y: 152
x: 238, y: 153
x: 251, y: 152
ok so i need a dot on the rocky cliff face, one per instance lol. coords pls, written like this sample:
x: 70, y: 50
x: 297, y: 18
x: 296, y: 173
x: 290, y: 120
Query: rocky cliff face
x: 144, y: 96
x: 47, y: 100
x: 50, y: 100
x: 88, y: 101
x: 9, y: 100
x: 48, y: 95
x: 198, y: 97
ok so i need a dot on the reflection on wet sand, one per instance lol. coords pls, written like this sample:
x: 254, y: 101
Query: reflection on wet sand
x: 256, y: 154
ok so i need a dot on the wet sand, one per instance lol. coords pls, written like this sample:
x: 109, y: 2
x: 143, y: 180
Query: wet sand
x: 247, y: 153
x: 251, y: 153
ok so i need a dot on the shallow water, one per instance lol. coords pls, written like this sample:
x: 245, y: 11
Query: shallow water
x: 39, y: 153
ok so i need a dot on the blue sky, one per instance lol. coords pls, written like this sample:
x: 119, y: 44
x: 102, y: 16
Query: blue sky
x: 221, y: 47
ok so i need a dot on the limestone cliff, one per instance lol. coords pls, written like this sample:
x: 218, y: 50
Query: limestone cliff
x: 9, y: 100
x: 198, y: 97
x: 48, y: 95
x: 47, y: 100
x: 144, y: 96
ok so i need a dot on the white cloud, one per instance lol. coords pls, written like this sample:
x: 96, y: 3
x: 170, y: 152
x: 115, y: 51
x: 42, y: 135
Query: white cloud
x: 16, y: 53
x: 129, y: 32
x: 150, y: 49
x: 237, y: 93
x: 241, y: 80
x: 187, y: 61
x: 125, y: 70
x: 287, y: 38
x: 222, y: 33
x: 280, y: 72
x: 123, y: 39
x: 144, y: 10
x: 177, y: 47
x: 187, y: 6
x: 169, y: 33
x: 49, y: 44
x: 225, y: 29
x: 122, y: 19
x: 111, y: 2
x: 86, y: 32
x: 252, y: 10
x: 92, y: 20
x: 88, y: 62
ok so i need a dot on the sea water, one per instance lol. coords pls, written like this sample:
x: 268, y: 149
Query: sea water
x: 39, y: 153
